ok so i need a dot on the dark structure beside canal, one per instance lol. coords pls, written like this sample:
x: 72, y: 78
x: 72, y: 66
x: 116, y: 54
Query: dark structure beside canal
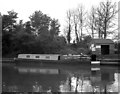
x: 102, y: 46
x: 104, y: 50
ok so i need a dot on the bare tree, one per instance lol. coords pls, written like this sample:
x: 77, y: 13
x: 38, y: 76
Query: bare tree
x: 78, y: 20
x: 106, y: 15
x: 82, y: 19
x: 102, y: 19
x: 69, y: 15
x: 91, y: 22
x: 99, y: 24
x: 75, y: 23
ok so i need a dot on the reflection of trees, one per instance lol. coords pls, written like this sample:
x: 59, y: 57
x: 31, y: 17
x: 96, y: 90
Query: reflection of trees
x: 37, y: 87
x: 76, y: 84
x: 115, y: 87
x: 107, y: 78
x: 95, y: 82
x: 78, y: 81
x: 101, y: 80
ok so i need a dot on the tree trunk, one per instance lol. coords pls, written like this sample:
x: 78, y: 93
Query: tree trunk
x: 68, y: 35
x: 77, y: 39
x: 92, y: 32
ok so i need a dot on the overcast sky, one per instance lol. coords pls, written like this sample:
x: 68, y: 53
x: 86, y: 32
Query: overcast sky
x: 54, y: 8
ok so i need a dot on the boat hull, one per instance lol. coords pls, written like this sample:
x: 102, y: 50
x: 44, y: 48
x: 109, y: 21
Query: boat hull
x: 66, y: 61
x: 73, y: 62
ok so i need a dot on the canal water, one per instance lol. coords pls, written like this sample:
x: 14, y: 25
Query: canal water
x: 60, y: 78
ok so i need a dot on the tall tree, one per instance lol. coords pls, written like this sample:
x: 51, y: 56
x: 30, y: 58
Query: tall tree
x: 99, y: 25
x: 69, y: 17
x: 19, y: 27
x: 92, y: 21
x: 82, y: 19
x: 40, y: 22
x: 75, y: 23
x: 54, y: 28
x: 8, y: 21
x: 28, y: 27
x: 8, y: 28
x: 106, y: 13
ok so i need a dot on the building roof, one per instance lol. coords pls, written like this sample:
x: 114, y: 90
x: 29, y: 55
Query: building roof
x: 102, y: 41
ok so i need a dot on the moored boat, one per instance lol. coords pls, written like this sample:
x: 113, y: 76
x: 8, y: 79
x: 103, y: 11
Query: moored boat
x: 52, y: 59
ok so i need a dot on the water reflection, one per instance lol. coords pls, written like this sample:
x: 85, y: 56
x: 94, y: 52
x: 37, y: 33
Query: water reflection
x: 37, y: 88
x: 60, y: 79
x: 38, y: 70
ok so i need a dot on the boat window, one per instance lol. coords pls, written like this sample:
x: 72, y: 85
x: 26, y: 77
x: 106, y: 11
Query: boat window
x: 28, y: 56
x: 37, y: 56
x: 47, y: 57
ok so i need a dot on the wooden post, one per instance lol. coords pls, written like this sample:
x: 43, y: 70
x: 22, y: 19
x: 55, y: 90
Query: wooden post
x: 119, y: 26
x: 0, y: 53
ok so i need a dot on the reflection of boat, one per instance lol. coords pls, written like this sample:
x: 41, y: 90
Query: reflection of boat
x: 38, y: 70
x: 53, y: 58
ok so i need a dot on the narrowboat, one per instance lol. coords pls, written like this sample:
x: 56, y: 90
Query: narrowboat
x: 53, y: 59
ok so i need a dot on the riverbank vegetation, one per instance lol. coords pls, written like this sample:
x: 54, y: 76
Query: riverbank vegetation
x: 41, y: 34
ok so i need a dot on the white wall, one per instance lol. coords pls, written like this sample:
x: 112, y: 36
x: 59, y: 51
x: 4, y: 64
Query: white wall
x: 41, y: 56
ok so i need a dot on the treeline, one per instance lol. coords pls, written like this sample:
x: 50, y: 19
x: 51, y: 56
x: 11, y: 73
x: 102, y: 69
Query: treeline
x: 40, y: 35
x: 101, y: 21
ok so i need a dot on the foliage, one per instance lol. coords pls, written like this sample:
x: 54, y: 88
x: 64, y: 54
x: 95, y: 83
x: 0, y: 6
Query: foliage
x: 8, y: 21
x: 23, y: 38
x: 54, y: 28
x: 40, y: 22
x: 41, y: 34
x: 68, y: 50
x: 8, y: 28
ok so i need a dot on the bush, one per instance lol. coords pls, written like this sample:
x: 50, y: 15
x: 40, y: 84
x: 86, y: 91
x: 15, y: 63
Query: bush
x: 67, y: 50
x: 83, y: 50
